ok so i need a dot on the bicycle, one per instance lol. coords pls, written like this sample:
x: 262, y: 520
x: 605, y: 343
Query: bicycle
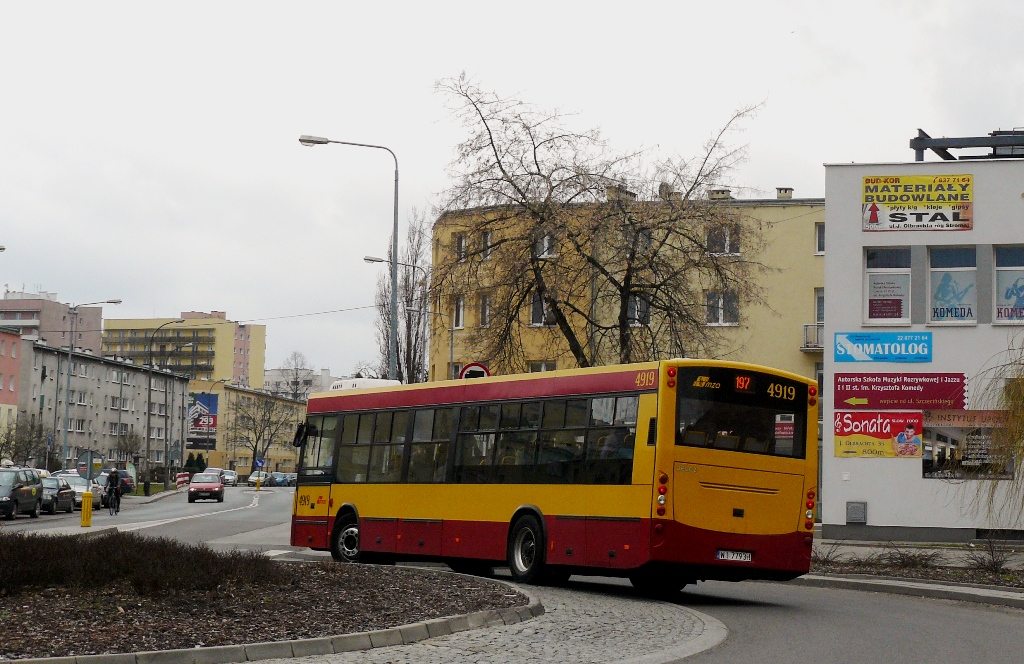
x: 114, y: 502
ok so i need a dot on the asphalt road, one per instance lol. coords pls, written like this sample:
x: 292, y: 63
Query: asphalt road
x: 767, y: 622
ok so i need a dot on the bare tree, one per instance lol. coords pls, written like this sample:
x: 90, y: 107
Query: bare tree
x: 413, y: 308
x: 261, y: 420
x: 129, y: 445
x: 298, y: 376
x: 615, y: 258
x: 22, y: 442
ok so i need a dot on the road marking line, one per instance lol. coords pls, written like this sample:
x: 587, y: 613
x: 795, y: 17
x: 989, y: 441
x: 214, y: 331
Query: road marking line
x: 153, y: 524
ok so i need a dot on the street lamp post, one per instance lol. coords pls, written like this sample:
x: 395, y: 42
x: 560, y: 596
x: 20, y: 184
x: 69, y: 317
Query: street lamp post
x: 168, y: 423
x: 310, y: 141
x: 73, y: 313
x: 149, y: 392
x: 451, y: 338
x: 426, y: 276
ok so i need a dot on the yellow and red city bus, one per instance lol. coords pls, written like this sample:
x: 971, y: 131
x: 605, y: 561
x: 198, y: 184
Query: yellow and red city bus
x: 665, y: 472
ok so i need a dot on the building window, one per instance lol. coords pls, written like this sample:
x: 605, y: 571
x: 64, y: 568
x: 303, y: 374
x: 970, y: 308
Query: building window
x: 486, y: 244
x: 545, y: 365
x: 638, y: 310
x: 460, y: 246
x: 887, y: 285
x: 456, y: 369
x: 819, y: 305
x: 724, y: 239
x: 459, y: 313
x: 544, y: 247
x: 723, y: 308
x: 953, y: 288
x: 1009, y: 285
x: 485, y: 310
x: 540, y: 312
x: 819, y: 238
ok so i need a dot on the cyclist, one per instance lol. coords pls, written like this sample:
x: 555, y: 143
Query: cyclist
x: 113, y: 489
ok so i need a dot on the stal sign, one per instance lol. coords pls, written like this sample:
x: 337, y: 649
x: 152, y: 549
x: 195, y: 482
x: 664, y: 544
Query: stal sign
x: 944, y: 391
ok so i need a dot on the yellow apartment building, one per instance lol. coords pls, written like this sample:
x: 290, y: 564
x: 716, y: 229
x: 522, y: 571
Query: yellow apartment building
x: 226, y: 424
x: 203, y: 346
x: 784, y: 330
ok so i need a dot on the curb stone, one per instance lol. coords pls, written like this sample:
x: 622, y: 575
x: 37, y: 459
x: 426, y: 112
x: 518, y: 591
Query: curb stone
x: 934, y: 590
x: 381, y: 638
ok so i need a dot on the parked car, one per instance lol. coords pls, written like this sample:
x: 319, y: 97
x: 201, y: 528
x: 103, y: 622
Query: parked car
x: 206, y: 485
x: 258, y: 475
x: 79, y: 484
x: 57, y: 495
x: 126, y: 483
x: 21, y: 490
x: 293, y: 479
x: 278, y: 479
x: 230, y: 478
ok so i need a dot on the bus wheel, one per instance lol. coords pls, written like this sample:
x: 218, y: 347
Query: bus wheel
x: 526, y: 550
x: 345, y: 540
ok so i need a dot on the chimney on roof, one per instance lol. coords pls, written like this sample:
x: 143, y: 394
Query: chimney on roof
x: 783, y: 192
x: 720, y: 194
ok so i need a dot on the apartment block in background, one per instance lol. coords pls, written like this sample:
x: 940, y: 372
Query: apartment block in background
x: 41, y: 317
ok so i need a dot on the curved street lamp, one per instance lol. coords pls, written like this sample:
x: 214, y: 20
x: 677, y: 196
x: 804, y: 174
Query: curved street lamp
x: 73, y: 314
x: 149, y: 390
x: 310, y: 141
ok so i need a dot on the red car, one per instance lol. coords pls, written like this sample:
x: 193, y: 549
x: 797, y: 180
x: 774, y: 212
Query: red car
x: 206, y: 485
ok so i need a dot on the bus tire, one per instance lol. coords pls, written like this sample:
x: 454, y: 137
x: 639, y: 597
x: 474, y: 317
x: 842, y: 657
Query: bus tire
x: 345, y: 539
x: 526, y: 550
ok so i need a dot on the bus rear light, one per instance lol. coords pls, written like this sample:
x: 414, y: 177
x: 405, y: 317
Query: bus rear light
x: 810, y: 504
x: 809, y: 514
x: 812, y: 402
x: 809, y: 525
x: 661, y: 500
x: 813, y: 391
x: 671, y: 372
x: 663, y: 478
x: 661, y: 510
x: 671, y: 383
x: 663, y: 489
x: 808, y: 540
x: 658, y: 528
x: 811, y: 494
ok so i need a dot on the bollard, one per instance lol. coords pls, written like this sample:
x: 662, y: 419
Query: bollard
x: 87, y: 509
x: 145, y: 487
x: 258, y: 483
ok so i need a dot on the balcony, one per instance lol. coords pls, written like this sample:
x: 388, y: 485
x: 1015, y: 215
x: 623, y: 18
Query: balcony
x: 814, y: 338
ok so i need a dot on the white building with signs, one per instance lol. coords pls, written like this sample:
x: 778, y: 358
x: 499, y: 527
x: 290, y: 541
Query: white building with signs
x: 926, y: 298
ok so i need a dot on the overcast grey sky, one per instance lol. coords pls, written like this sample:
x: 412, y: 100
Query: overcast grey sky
x: 149, y: 152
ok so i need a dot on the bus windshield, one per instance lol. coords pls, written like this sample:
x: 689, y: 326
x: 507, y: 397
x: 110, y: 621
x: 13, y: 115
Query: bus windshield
x: 742, y: 411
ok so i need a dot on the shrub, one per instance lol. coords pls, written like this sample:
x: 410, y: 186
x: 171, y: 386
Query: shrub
x: 148, y: 565
x: 988, y: 557
x: 895, y: 556
x: 827, y: 554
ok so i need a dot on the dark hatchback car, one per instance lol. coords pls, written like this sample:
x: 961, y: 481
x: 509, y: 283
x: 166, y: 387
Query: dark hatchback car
x: 57, y: 495
x: 21, y: 491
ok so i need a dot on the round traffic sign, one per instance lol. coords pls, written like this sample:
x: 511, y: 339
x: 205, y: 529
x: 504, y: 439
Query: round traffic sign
x: 474, y: 370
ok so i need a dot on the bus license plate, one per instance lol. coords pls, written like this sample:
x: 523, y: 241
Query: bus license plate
x: 739, y: 556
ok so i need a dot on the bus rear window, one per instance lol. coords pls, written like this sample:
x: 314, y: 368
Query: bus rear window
x: 739, y: 427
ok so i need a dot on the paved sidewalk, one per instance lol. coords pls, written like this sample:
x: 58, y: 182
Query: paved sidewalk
x: 576, y: 627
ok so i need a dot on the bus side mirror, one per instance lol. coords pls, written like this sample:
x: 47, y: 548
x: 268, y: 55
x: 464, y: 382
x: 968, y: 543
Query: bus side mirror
x: 300, y: 435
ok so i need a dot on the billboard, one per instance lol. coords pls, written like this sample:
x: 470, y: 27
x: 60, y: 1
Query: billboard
x: 917, y: 203
x: 904, y: 390
x: 202, y: 421
x: 877, y: 434
x: 883, y: 347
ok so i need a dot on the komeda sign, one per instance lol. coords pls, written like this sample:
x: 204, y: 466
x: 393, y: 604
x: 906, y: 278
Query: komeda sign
x: 917, y: 202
